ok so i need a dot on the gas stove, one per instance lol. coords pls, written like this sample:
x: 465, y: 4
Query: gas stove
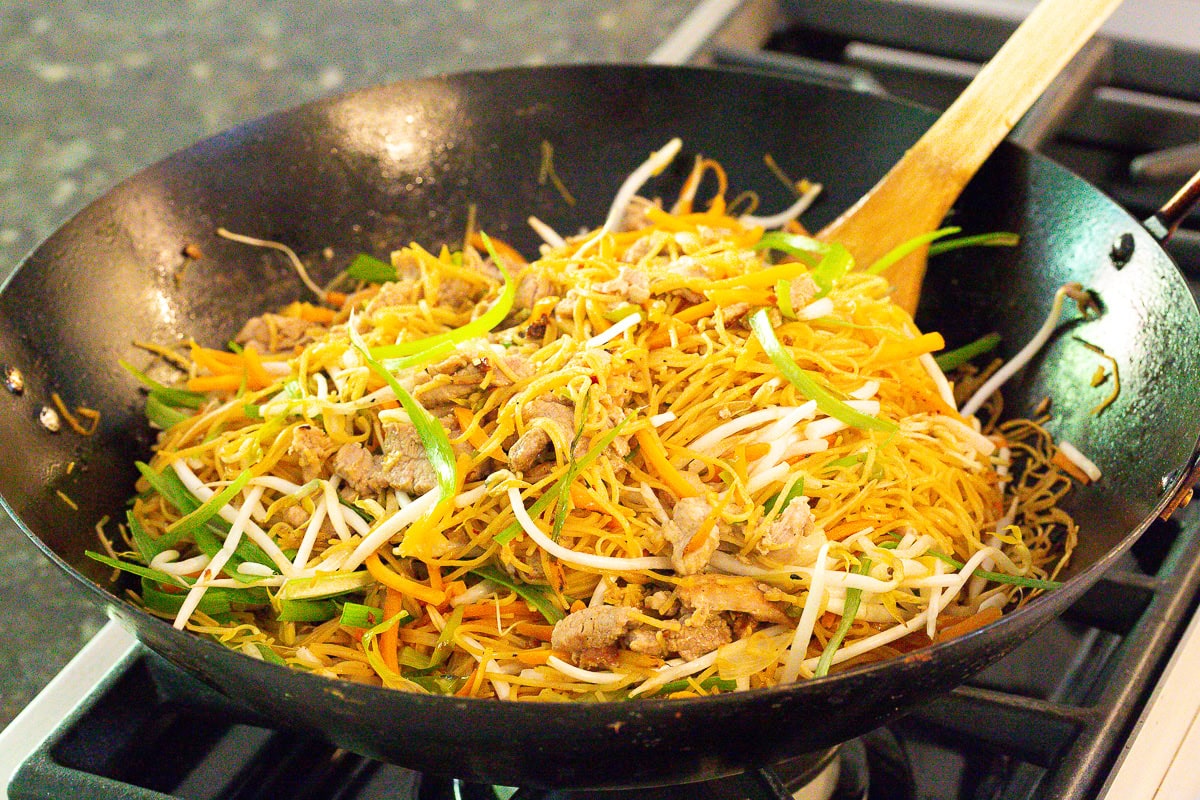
x: 1099, y: 705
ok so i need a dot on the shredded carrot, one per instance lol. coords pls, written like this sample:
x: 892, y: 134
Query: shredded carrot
x: 387, y: 577
x: 336, y: 299
x: 581, y: 498
x: 578, y: 605
x: 503, y: 249
x: 475, y: 435
x: 534, y: 658
x: 533, y: 630
x: 976, y: 620
x: 656, y: 457
x: 256, y: 376
x: 1068, y: 466
x: 728, y: 297
x: 216, y: 361
x: 435, y: 578
x: 215, y: 383
x: 389, y: 639
x: 698, y: 311
x: 909, y: 348
x: 697, y: 540
x: 311, y: 313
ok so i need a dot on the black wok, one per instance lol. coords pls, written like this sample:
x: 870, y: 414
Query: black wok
x: 378, y: 168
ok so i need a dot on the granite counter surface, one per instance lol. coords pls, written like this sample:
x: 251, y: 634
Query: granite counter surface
x: 93, y: 90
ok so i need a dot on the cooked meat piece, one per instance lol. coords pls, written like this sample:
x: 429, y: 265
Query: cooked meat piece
x: 631, y: 284
x: 711, y: 594
x: 404, y: 461
x: 452, y: 379
x: 692, y: 641
x: 538, y: 413
x: 598, y: 657
x: 361, y: 470
x: 635, y: 214
x: 531, y: 287
x: 312, y: 449
x: 686, y: 520
x: 646, y: 640
x: 802, y: 292
x: 590, y: 629
x: 457, y: 293
x: 644, y: 246
x: 395, y: 293
x: 465, y: 372
x: 275, y: 333
x: 792, y: 538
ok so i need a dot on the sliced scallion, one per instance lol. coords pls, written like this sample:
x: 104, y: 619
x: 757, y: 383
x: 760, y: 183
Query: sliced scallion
x: 905, y: 248
x: 996, y: 239
x: 357, y: 615
x: 998, y: 577
x: 805, y: 383
x: 307, y: 610
x: 953, y: 359
x: 536, y: 596
x: 849, y: 609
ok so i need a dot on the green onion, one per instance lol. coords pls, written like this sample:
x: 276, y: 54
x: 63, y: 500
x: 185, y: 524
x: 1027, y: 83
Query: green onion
x: 711, y: 682
x: 805, y: 383
x: 849, y: 609
x: 562, y: 500
x: 136, y: 569
x: 307, y: 610
x: 432, y: 354
x: 429, y: 430
x: 778, y: 503
x: 536, y: 596
x: 368, y: 268
x: 904, y: 248
x: 357, y: 615
x: 162, y: 415
x: 997, y: 239
x: 269, y: 655
x: 804, y: 248
x: 441, y: 648
x: 193, y: 521
x: 561, y: 488
x: 477, y: 327
x: 783, y: 297
x: 998, y: 577
x: 179, y: 398
x: 324, y: 585
x: 441, y: 684
x: 147, y: 548
x: 846, y: 461
x: 953, y: 359
x: 833, y: 266
x: 621, y: 312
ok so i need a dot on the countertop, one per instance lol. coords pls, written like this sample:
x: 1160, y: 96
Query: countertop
x: 93, y: 90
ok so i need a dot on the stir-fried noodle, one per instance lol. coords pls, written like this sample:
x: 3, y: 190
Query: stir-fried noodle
x: 672, y: 456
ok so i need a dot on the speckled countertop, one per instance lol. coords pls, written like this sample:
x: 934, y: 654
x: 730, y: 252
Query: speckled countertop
x: 93, y: 90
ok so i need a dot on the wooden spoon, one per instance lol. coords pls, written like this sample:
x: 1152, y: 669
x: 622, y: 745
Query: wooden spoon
x: 914, y: 196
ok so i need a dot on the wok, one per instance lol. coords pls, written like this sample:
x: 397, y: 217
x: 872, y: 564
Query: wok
x: 372, y: 170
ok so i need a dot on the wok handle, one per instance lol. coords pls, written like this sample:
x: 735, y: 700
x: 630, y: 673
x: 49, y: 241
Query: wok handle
x: 1164, y: 221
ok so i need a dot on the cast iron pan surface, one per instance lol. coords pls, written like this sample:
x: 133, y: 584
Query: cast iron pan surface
x: 373, y: 170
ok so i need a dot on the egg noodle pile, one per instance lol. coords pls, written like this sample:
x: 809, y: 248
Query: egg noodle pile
x: 673, y: 456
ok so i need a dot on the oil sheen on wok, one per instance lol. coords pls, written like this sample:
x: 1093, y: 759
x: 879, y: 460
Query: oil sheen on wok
x: 689, y: 451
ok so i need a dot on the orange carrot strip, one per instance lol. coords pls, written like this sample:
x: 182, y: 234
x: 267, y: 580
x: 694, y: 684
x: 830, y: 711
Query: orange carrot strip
x: 389, y: 640
x: 256, y: 376
x: 706, y: 527
x: 656, y: 457
x: 534, y: 630
x: 1070, y: 467
x: 336, y: 299
x: 476, y: 437
x: 580, y: 498
x: 215, y: 383
x: 763, y: 279
x: 728, y: 297
x: 435, y: 578
x: 578, y: 605
x: 387, y: 577
x: 503, y: 249
x: 534, y: 658
x: 910, y: 348
x: 976, y: 620
x: 698, y: 311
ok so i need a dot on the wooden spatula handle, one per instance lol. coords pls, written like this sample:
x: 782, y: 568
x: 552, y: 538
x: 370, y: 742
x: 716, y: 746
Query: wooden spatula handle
x: 918, y: 191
